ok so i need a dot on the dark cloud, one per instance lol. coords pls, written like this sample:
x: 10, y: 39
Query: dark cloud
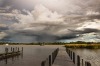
x: 34, y: 20
x: 3, y: 28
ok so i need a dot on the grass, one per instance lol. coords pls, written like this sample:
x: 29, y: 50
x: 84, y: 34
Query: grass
x: 88, y: 46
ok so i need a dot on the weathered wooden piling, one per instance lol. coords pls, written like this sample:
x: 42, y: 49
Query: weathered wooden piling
x: 6, y: 50
x: 22, y: 49
x: 71, y: 55
x: 43, y: 63
x: 50, y: 60
x: 87, y: 64
x: 9, y: 54
x: 82, y: 62
x: 18, y: 49
x: 69, y: 52
x: 78, y: 60
x: 52, y: 57
x: 11, y: 48
x: 74, y: 57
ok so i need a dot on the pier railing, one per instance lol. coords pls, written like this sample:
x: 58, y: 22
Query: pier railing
x: 50, y: 60
x: 76, y: 59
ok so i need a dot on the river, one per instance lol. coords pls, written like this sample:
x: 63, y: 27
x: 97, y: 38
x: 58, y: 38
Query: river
x: 91, y: 55
x: 33, y: 55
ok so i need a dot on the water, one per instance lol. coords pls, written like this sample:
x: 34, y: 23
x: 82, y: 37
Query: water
x: 32, y: 55
x: 91, y: 55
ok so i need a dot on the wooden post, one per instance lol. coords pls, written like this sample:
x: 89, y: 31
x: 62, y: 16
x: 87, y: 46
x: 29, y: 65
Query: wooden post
x: 82, y: 62
x: 18, y: 49
x: 22, y: 49
x: 78, y: 60
x: 52, y: 57
x: 74, y: 57
x: 6, y: 50
x: 43, y: 63
x: 50, y: 60
x: 11, y: 48
x: 87, y: 64
x: 71, y: 55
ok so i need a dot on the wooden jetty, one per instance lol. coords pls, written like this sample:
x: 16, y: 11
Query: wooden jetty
x: 10, y: 54
x: 63, y: 58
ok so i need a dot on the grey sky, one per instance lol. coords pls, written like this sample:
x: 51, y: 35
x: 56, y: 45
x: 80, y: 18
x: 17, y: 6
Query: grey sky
x: 49, y: 20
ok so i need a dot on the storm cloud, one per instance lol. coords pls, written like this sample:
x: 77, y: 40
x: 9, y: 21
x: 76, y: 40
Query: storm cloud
x: 49, y: 20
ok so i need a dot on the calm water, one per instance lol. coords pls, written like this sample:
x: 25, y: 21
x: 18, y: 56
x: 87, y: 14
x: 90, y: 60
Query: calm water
x: 32, y: 56
x: 90, y: 55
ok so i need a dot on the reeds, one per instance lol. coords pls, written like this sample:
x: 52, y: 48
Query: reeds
x: 88, y: 46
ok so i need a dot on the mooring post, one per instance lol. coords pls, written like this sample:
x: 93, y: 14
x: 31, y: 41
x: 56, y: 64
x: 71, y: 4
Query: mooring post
x: 87, y: 64
x: 71, y: 55
x: 11, y: 49
x: 82, y: 62
x: 6, y: 50
x: 43, y: 63
x: 68, y: 52
x: 22, y: 49
x: 18, y: 49
x: 50, y: 60
x: 74, y: 57
x: 78, y: 60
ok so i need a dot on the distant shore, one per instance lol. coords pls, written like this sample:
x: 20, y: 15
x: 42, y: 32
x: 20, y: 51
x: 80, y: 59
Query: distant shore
x: 87, y: 46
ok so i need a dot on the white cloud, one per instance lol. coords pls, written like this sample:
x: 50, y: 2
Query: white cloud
x: 92, y: 13
x: 92, y: 25
x: 2, y: 35
x: 3, y: 25
x: 51, y: 17
x: 40, y: 15
x: 89, y: 37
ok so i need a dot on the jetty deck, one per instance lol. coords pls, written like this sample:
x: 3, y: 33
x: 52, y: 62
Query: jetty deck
x: 62, y: 58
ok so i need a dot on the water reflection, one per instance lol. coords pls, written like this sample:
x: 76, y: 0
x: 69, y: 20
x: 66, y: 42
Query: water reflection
x: 13, y: 58
x: 31, y: 55
x: 91, y: 55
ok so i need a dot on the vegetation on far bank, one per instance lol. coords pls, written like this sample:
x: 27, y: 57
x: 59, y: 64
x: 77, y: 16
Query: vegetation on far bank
x: 78, y: 44
x: 87, y: 46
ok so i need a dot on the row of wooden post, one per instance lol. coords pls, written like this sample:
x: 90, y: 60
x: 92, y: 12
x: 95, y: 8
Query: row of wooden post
x: 51, y: 58
x: 73, y: 56
x: 13, y: 49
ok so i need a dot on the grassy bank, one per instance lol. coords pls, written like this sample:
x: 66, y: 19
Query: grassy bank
x: 88, y: 46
